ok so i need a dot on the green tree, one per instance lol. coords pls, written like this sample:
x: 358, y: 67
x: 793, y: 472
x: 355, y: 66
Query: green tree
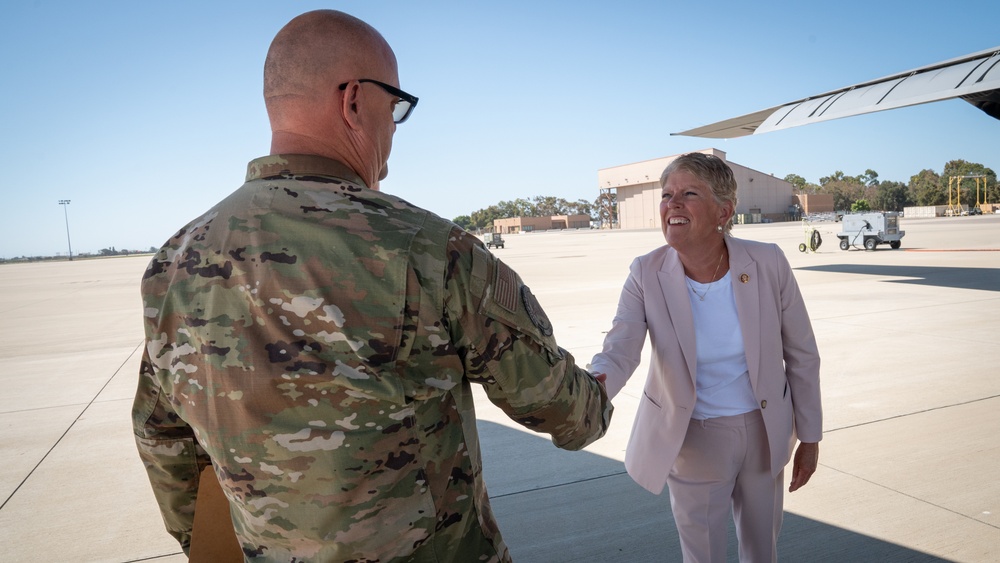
x: 798, y: 182
x: 891, y: 196
x: 545, y: 206
x: 959, y: 168
x: 926, y: 189
x: 606, y: 208
x: 538, y: 206
x: 582, y: 207
x: 860, y: 206
x: 837, y: 176
x: 483, y: 218
x: 520, y: 207
x: 869, y: 178
x: 844, y: 189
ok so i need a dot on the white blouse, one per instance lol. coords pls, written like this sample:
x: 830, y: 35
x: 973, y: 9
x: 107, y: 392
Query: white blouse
x: 722, y: 379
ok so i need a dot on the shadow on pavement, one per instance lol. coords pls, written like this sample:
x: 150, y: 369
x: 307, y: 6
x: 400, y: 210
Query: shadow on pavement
x: 960, y: 278
x: 555, y: 506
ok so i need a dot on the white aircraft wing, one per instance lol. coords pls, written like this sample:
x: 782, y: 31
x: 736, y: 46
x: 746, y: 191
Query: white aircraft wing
x: 975, y: 78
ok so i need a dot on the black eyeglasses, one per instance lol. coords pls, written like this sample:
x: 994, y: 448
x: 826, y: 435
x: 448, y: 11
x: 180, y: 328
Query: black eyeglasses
x: 404, y: 105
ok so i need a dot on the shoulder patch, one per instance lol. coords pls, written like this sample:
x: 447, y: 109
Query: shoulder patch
x: 535, y: 312
x: 505, y: 287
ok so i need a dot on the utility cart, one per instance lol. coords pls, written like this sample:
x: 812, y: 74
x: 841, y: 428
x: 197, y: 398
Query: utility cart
x: 813, y: 238
x: 868, y: 230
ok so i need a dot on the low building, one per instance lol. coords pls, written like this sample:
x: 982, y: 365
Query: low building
x: 812, y: 204
x: 528, y: 224
x: 760, y: 197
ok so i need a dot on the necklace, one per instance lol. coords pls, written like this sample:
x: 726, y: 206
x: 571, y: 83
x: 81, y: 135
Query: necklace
x: 701, y: 296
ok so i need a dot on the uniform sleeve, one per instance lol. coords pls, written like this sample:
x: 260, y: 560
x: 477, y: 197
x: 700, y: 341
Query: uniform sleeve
x: 801, y: 356
x: 506, y: 344
x: 169, y: 452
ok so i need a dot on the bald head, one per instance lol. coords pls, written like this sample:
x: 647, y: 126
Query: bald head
x: 308, y: 60
x: 319, y: 50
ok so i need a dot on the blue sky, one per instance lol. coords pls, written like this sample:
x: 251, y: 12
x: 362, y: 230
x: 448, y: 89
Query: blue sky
x: 144, y: 114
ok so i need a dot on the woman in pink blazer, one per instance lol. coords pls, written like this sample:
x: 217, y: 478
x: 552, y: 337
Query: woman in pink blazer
x: 734, y: 375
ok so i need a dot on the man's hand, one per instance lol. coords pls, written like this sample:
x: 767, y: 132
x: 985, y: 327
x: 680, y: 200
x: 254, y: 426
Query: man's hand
x: 804, y: 465
x: 601, y: 377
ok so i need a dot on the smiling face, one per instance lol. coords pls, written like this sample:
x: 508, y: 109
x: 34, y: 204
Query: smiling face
x: 689, y: 213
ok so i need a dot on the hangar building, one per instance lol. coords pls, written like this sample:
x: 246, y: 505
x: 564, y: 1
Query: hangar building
x: 760, y: 197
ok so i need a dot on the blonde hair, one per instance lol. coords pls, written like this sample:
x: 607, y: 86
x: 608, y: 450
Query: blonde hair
x: 711, y: 170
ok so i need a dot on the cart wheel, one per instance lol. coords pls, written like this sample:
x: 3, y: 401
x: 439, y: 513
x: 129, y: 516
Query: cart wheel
x: 802, y: 247
x: 894, y: 244
x: 870, y: 244
x: 844, y: 245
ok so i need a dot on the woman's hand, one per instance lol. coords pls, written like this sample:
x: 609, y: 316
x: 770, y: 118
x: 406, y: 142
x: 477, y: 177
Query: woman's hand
x: 805, y: 464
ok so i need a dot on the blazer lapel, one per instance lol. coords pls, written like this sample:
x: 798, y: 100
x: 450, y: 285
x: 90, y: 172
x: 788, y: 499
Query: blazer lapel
x: 746, y: 291
x: 671, y: 278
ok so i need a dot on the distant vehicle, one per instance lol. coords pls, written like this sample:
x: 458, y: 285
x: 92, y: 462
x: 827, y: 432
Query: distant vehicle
x: 493, y: 239
x: 870, y: 230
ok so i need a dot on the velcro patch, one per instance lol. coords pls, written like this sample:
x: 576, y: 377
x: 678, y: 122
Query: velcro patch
x: 535, y: 312
x: 505, y: 292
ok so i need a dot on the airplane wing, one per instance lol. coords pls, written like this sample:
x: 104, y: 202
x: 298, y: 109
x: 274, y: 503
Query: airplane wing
x: 975, y: 78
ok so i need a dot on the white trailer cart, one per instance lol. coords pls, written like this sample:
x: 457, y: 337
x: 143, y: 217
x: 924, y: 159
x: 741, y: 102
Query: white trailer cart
x: 869, y: 230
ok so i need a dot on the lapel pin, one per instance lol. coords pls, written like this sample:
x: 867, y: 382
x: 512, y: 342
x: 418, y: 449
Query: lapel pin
x: 744, y: 278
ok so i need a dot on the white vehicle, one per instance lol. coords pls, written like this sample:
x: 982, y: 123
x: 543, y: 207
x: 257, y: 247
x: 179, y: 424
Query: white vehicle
x: 870, y: 229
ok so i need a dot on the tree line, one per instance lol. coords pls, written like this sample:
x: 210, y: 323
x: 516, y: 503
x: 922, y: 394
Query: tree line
x: 538, y: 206
x: 925, y: 188
x: 861, y: 192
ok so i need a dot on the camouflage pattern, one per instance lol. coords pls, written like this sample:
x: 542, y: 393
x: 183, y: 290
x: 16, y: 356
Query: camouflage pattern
x: 315, y: 341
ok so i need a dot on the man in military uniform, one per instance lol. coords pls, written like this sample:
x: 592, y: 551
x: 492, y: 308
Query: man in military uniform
x: 314, y: 339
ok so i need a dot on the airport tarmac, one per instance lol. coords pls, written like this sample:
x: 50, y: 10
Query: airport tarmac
x: 909, y: 463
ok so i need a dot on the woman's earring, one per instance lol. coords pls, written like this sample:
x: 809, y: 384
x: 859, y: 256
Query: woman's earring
x: 718, y: 228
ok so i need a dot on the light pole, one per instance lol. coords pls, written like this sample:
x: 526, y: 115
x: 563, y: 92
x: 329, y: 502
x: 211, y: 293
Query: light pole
x: 65, y: 204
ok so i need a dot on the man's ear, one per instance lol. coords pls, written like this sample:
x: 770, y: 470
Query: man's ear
x: 349, y: 105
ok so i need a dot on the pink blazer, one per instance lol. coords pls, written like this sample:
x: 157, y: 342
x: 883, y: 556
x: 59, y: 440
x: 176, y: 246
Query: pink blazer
x: 780, y: 349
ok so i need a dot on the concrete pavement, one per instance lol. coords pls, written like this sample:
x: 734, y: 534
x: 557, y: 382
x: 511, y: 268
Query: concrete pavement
x: 909, y: 463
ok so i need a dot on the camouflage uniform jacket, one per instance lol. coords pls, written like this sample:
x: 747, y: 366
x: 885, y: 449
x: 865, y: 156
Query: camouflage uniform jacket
x: 315, y: 341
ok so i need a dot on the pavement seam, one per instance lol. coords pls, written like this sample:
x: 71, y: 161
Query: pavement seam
x: 33, y: 409
x: 918, y: 499
x: 70, y: 427
x: 154, y: 557
x: 904, y: 415
x: 556, y: 486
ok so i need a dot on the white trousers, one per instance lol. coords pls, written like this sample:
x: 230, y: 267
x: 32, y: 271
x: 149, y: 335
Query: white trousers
x: 724, y: 466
